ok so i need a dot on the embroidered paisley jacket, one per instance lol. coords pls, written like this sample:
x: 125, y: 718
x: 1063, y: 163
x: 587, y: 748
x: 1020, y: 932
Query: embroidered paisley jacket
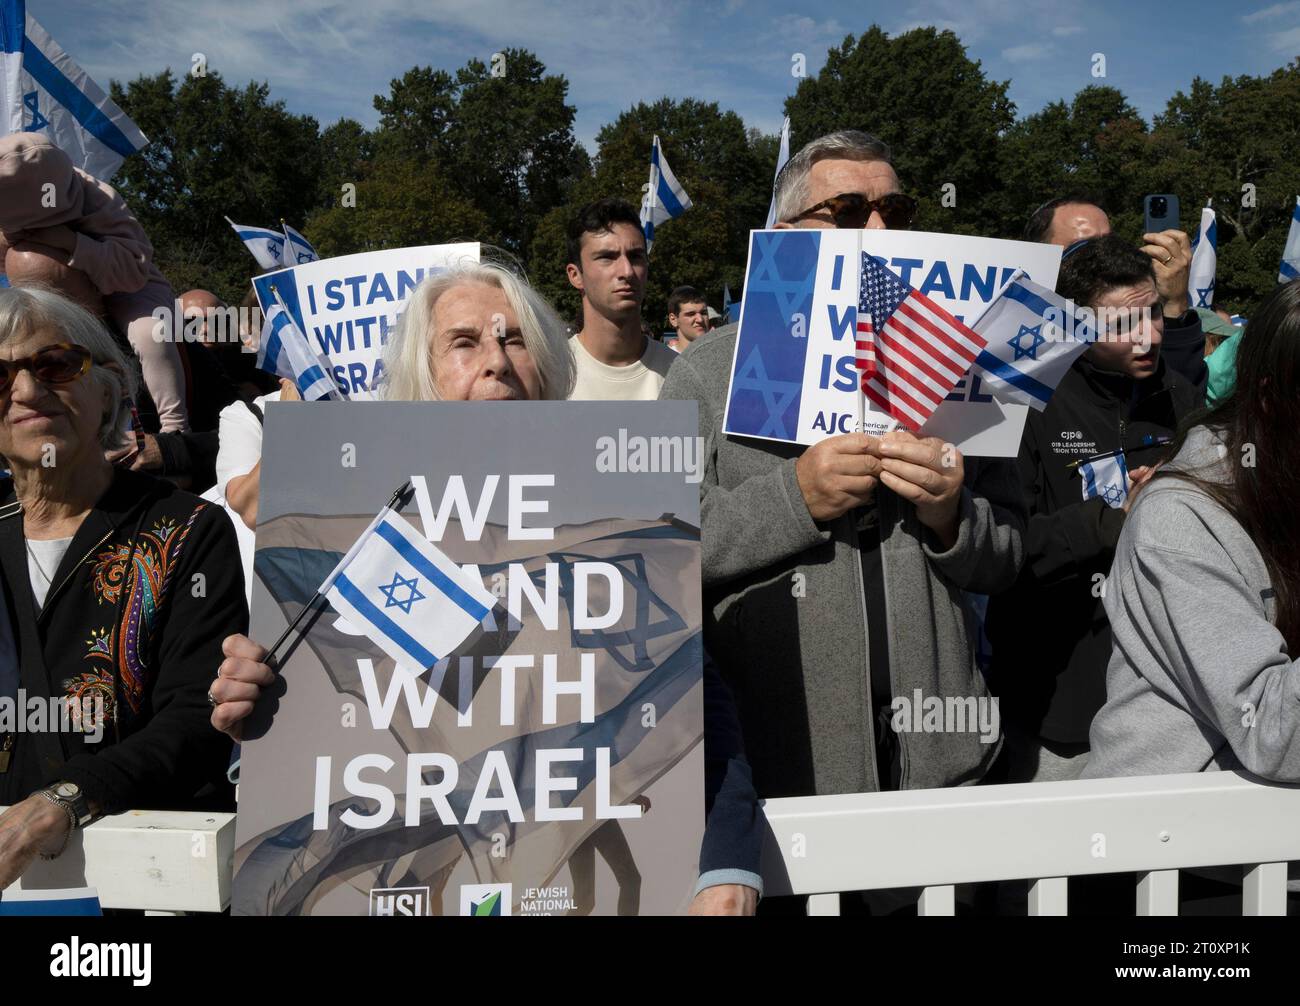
x: 132, y: 625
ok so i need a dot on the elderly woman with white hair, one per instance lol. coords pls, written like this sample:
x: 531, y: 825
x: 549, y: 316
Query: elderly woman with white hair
x: 118, y: 591
x: 473, y: 332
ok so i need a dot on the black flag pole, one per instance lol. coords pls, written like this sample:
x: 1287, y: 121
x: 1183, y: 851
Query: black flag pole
x: 293, y: 634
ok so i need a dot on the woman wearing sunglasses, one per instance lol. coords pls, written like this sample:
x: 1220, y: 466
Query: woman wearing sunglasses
x: 118, y: 589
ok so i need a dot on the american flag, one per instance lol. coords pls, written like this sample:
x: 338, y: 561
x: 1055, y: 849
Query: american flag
x: 911, y: 351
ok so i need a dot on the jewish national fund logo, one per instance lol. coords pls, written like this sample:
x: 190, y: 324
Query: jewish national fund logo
x: 485, y: 899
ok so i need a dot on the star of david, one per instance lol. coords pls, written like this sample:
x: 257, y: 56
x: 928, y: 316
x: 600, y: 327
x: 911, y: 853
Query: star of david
x: 1036, y: 340
x: 38, y: 120
x: 777, y: 395
x: 1203, y: 294
x: 1113, y: 495
x: 390, y: 591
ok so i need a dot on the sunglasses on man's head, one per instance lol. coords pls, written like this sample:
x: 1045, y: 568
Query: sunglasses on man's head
x: 852, y: 210
x: 57, y: 364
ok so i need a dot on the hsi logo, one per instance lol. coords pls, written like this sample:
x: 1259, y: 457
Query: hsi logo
x: 485, y: 899
x: 399, y: 901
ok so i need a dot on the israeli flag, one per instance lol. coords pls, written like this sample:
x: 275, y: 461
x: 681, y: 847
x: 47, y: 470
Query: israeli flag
x: 266, y: 245
x: 1290, y: 267
x: 664, y: 196
x: 782, y: 156
x: 43, y: 91
x: 1031, y: 340
x: 404, y: 595
x: 1200, y: 282
x: 285, y: 352
x: 297, y: 249
x: 1107, y: 479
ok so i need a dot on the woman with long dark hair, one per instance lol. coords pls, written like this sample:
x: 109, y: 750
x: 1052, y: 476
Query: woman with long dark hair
x: 1204, y: 593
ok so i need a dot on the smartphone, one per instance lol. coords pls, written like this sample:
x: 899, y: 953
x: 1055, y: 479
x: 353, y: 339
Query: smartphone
x: 1161, y: 213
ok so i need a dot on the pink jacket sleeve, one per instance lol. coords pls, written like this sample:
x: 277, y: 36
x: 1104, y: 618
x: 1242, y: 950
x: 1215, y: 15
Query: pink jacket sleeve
x: 112, y: 248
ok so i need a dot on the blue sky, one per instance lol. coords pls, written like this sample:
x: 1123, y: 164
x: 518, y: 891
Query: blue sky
x: 328, y: 58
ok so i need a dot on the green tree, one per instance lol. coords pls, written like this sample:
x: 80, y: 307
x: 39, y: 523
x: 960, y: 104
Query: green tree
x: 1238, y: 144
x: 500, y: 134
x: 932, y: 104
x: 1096, y: 146
x: 214, y: 151
x: 724, y: 169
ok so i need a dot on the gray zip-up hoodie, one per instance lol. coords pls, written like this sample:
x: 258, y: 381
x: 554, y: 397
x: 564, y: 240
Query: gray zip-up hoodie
x: 1199, y: 676
x: 785, y: 609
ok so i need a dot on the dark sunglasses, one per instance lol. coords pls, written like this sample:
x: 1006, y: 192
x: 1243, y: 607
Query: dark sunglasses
x: 57, y: 364
x: 852, y: 210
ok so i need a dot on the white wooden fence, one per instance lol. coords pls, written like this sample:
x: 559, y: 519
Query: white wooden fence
x: 160, y: 861
x: 819, y: 846
x: 1043, y: 832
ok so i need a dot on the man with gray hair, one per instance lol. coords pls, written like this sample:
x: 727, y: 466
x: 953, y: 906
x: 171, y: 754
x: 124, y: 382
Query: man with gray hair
x: 833, y: 573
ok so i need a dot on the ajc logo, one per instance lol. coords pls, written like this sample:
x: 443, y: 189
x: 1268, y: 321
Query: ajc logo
x: 485, y: 899
x: 399, y: 901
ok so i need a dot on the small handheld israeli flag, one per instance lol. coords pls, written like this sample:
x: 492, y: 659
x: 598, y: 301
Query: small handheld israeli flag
x: 297, y: 249
x: 1031, y: 340
x: 266, y: 245
x: 1290, y: 268
x: 43, y: 91
x: 1200, y: 281
x: 1106, y: 478
x: 285, y: 352
x: 664, y: 196
x: 405, y: 595
x: 782, y: 156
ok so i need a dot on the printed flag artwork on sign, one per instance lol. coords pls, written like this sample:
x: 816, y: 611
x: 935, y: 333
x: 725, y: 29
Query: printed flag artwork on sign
x: 911, y: 352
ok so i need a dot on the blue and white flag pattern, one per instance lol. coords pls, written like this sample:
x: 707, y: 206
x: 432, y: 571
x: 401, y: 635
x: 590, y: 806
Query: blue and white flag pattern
x: 1290, y: 268
x: 43, y: 91
x: 297, y: 249
x: 265, y: 245
x: 1107, y: 479
x: 1031, y: 340
x: 1200, y: 281
x: 782, y: 156
x: 285, y: 352
x: 405, y: 595
x: 664, y: 196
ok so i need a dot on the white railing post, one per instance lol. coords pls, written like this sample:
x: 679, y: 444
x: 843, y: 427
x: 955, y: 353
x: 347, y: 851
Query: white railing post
x: 939, y: 900
x: 1049, y: 896
x: 824, y: 904
x: 1264, y: 890
x: 1157, y: 893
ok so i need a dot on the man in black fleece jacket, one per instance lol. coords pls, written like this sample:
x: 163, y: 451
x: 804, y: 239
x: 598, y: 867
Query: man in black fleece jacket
x: 1051, y: 641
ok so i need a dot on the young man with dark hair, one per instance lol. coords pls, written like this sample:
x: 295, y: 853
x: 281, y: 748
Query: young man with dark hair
x: 1077, y: 217
x: 1051, y: 641
x: 688, y: 315
x: 608, y: 265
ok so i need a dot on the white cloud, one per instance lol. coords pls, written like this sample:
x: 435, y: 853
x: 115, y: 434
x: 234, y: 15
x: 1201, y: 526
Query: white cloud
x: 1285, y: 41
x: 1027, y: 52
x: 1270, y: 12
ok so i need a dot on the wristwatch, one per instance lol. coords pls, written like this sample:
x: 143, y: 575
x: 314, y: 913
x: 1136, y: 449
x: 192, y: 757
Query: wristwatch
x: 69, y: 795
x: 72, y: 801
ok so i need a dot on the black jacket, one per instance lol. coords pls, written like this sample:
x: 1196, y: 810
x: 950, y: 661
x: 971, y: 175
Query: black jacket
x: 146, y: 592
x: 1051, y: 641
